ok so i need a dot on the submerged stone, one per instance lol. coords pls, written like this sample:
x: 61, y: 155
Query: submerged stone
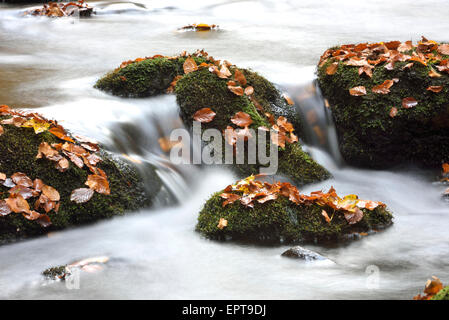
x: 298, y: 252
x: 375, y: 129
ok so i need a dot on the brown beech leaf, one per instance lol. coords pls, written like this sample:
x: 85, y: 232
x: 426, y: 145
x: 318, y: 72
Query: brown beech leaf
x: 62, y: 165
x: 236, y: 90
x: 445, y: 167
x: 435, y: 89
x: 326, y: 216
x: 46, y: 150
x: 190, y: 65
x: 1, y: 130
x: 241, y: 119
x: 222, y: 223
x: 204, y: 115
x: 22, y: 179
x: 354, y: 217
x: 93, y: 159
x: 37, y: 185
x: 434, y: 74
x: 393, y: 112
x: 4, y: 208
x: 409, y: 102
x: 17, y: 204
x: 230, y: 198
x: 25, y: 192
x: 60, y: 133
x: 44, y: 220
x: 2, y: 176
x: 98, y: 183
x: 405, y: 46
x: 224, y: 72
x: 51, y: 193
x: 368, y: 70
x: 267, y: 197
x: 75, y: 159
x: 73, y: 148
x: 433, y: 286
x: 357, y: 91
x: 249, y: 90
x: 240, y: 77
x: 444, y: 49
x: 383, y: 88
x: 332, y: 68
x: 81, y: 195
x: 32, y: 215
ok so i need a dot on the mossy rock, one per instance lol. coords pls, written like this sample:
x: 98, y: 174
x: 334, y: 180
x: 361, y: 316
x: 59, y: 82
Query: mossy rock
x: 442, y: 295
x: 281, y: 220
x: 368, y: 136
x: 203, y: 89
x: 18, y: 150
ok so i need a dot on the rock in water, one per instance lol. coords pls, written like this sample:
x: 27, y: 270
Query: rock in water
x: 389, y: 102
x: 299, y: 252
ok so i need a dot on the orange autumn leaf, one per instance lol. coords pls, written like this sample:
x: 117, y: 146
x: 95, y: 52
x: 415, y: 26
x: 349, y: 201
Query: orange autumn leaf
x: 222, y: 223
x: 51, y: 193
x: 332, y: 69
x: 240, y: 77
x: 445, y: 167
x: 204, y: 115
x: 357, y: 91
x: 236, y: 90
x: 434, y: 74
x: 22, y: 179
x: 393, y: 112
x: 1, y: 130
x: 224, y: 72
x: 288, y: 100
x: 409, y: 102
x: 326, y: 216
x: 189, y: 65
x: 444, y: 49
x: 241, y: 119
x: 60, y: 133
x: 229, y: 198
x: 383, y: 88
x: 249, y: 90
x: 435, y: 89
x: 17, y: 203
x: 98, y: 183
x: 418, y: 59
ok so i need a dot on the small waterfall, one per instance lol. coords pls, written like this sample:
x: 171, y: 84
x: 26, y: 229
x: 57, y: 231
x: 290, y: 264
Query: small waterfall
x: 318, y: 127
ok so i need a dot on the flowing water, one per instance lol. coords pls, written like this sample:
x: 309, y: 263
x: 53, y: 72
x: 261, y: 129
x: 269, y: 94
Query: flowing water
x: 51, y: 65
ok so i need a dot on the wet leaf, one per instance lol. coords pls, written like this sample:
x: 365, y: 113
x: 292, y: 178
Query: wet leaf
x: 288, y: 100
x: 222, y: 223
x: 44, y: 220
x: 4, y: 208
x: 241, y: 119
x: 383, y: 88
x: 230, y: 198
x: 62, y: 165
x: 326, y: 216
x: 46, y: 150
x: 2, y: 176
x: 357, y: 91
x: 332, y: 69
x: 81, y: 195
x: 190, y: 65
x: 445, y: 167
x: 51, y: 193
x: 240, y: 77
x: 433, y: 286
x: 434, y: 74
x: 22, y: 179
x: 75, y: 159
x: 393, y: 112
x: 1, y: 130
x: 39, y: 126
x: 17, y: 204
x: 98, y: 183
x: 60, y: 133
x: 409, y: 102
x: 93, y: 159
x: 444, y: 49
x: 204, y: 115
x: 32, y: 215
x: 354, y: 217
x: 236, y: 90
x: 249, y: 90
x: 224, y: 72
x: 435, y: 89
x: 25, y: 192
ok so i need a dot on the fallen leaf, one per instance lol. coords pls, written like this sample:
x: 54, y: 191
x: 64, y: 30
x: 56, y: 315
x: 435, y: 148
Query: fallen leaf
x: 190, y: 65
x: 435, y: 89
x: 445, y: 167
x: 325, y: 215
x: 98, y: 183
x: 332, y: 69
x: 1, y: 130
x: 51, y: 193
x: 17, y: 204
x: 81, y: 195
x: 393, y: 112
x: 383, y: 88
x: 204, y: 115
x: 288, y: 100
x: 240, y: 77
x: 443, y: 49
x: 4, y: 208
x: 248, y: 91
x: 357, y: 91
x: 22, y: 179
x: 241, y: 119
x: 60, y: 133
x: 236, y: 90
x: 222, y: 223
x: 409, y: 102
x: 62, y: 165
x: 433, y: 286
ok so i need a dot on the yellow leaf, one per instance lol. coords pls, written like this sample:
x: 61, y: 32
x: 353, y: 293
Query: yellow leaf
x: 38, y: 125
x: 222, y: 224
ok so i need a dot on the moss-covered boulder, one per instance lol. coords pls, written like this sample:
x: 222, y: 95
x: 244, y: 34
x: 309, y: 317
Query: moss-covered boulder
x: 18, y: 150
x: 286, y: 218
x: 377, y: 128
x: 205, y: 89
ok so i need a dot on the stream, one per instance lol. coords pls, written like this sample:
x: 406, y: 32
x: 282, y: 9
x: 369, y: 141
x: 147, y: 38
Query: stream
x: 50, y: 65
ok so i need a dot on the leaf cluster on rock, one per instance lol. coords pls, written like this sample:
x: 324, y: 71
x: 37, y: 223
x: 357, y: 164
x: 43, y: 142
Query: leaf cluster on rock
x: 432, y: 287
x: 57, y: 9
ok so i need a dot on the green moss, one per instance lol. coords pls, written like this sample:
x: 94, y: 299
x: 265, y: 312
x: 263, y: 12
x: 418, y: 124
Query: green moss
x: 442, y: 295
x: 18, y: 150
x: 281, y: 220
x: 203, y: 89
x: 145, y: 78
x: 368, y: 136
